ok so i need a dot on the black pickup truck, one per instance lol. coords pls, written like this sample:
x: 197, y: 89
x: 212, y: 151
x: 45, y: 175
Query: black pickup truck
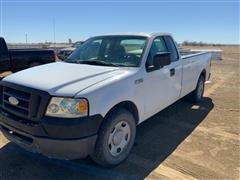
x: 19, y: 59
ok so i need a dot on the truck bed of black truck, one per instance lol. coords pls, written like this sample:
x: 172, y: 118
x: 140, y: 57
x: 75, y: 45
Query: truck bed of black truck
x: 19, y: 59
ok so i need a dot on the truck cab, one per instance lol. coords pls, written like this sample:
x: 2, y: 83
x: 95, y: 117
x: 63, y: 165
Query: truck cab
x: 4, y: 56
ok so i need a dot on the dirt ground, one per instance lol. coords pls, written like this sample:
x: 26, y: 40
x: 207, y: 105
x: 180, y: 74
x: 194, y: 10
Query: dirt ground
x: 184, y: 141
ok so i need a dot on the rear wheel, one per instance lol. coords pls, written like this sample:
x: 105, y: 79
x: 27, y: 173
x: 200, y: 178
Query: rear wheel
x: 116, y: 138
x: 197, y: 94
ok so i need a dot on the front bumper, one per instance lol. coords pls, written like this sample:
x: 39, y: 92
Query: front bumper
x: 52, y: 148
x: 54, y: 137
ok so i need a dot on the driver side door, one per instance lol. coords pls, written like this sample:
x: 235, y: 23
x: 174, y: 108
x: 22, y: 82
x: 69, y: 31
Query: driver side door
x: 156, y: 83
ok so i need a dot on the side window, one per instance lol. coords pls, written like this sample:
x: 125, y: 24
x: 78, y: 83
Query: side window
x: 158, y: 46
x: 171, y: 48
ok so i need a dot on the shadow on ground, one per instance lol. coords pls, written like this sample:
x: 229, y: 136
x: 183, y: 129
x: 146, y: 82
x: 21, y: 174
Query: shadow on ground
x: 156, y: 139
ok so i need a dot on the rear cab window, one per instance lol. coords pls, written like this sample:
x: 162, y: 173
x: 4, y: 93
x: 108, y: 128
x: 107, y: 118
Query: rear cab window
x: 133, y: 46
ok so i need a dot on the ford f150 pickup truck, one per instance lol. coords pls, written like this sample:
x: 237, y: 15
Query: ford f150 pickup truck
x: 91, y: 103
x: 19, y: 59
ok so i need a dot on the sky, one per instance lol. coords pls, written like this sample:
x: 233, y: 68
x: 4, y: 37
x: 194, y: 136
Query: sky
x: 211, y: 21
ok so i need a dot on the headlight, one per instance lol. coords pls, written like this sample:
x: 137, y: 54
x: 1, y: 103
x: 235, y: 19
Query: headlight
x: 67, y: 107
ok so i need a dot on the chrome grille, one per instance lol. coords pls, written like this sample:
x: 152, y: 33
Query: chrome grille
x: 23, y: 106
x: 31, y: 103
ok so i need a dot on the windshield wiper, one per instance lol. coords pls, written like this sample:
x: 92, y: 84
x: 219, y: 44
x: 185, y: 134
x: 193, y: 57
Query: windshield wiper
x: 97, y: 62
x: 91, y: 62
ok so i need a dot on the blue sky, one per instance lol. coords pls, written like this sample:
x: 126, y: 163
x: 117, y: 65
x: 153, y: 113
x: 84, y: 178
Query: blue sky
x: 214, y: 21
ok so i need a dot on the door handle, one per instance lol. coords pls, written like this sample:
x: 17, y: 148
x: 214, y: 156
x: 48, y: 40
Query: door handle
x: 138, y: 81
x: 172, y: 72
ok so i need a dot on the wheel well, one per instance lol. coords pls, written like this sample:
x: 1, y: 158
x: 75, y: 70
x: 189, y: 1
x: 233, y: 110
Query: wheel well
x: 128, y: 105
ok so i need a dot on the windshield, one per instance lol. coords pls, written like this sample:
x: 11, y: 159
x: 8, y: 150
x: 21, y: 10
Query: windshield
x: 110, y: 51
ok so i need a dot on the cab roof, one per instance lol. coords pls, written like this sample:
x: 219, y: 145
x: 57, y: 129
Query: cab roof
x: 145, y: 34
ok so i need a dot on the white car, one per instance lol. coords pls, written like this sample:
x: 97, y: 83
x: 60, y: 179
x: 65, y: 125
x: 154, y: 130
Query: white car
x: 91, y: 103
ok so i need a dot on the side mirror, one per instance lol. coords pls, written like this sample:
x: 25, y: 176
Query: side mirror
x: 161, y: 59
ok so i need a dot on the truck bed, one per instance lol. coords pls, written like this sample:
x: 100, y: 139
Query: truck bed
x: 189, y: 54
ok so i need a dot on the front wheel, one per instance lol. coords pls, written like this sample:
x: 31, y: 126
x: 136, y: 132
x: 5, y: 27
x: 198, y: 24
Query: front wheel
x: 116, y: 138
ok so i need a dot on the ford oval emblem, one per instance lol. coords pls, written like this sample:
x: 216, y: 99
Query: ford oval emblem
x: 12, y: 100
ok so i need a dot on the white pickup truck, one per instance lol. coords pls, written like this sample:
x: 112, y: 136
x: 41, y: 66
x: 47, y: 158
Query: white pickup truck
x: 91, y: 103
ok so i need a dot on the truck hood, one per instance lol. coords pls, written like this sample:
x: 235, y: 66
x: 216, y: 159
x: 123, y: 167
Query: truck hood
x: 64, y: 79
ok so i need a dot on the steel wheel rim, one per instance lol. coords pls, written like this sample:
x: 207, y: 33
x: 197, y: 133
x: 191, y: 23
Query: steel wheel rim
x: 119, y: 138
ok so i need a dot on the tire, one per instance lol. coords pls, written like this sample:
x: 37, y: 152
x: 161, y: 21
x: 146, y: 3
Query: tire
x: 197, y: 94
x: 115, y: 139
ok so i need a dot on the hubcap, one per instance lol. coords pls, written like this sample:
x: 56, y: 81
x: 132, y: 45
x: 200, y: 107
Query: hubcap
x: 119, y: 138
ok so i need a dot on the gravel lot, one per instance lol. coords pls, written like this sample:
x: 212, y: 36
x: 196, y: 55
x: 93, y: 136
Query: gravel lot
x: 184, y: 141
